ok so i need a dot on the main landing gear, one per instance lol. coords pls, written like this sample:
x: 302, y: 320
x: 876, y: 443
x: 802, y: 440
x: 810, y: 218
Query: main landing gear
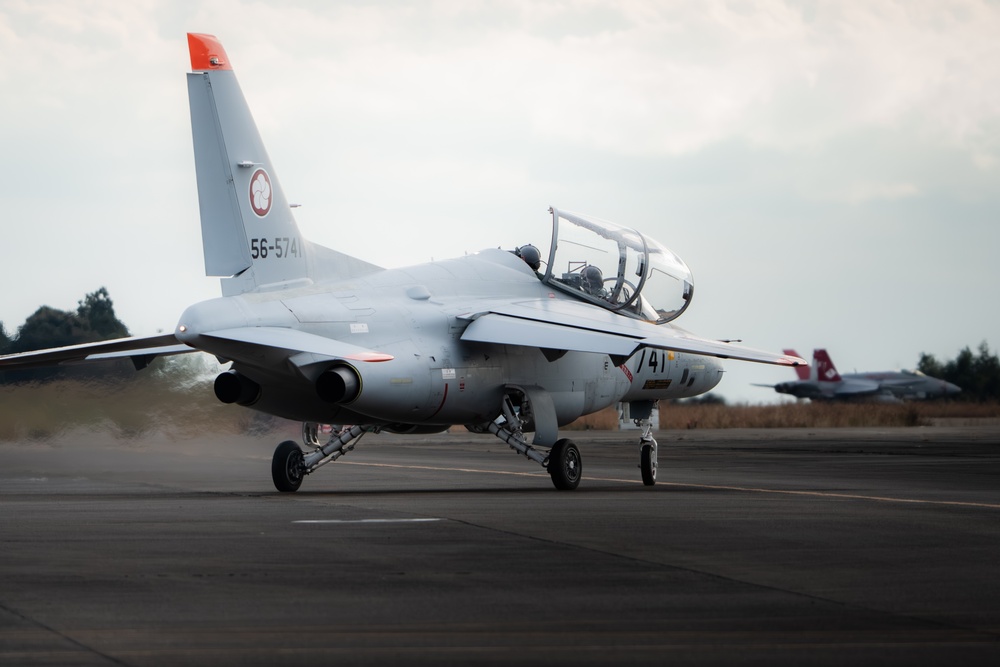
x: 564, y: 463
x: 290, y: 464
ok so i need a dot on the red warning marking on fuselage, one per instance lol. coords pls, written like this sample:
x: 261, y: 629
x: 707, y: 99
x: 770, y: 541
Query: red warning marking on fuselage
x: 443, y: 399
x: 372, y: 357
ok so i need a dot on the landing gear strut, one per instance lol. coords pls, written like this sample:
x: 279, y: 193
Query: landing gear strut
x: 564, y: 463
x: 290, y: 464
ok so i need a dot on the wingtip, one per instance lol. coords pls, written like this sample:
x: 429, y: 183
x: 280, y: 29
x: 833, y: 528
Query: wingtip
x: 207, y: 53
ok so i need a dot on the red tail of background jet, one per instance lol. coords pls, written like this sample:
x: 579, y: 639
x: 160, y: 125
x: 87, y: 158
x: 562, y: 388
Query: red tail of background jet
x: 825, y: 370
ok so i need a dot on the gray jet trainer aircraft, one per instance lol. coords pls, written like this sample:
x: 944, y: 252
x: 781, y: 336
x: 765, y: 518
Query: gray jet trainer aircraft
x: 500, y: 341
x: 821, y: 381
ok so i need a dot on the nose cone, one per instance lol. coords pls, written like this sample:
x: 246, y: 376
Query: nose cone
x: 951, y: 389
x: 715, y: 372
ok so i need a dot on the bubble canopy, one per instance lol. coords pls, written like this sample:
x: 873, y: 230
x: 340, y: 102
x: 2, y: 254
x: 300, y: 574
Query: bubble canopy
x: 617, y: 268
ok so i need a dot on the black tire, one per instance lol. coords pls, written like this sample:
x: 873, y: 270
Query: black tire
x: 647, y: 462
x: 287, y: 468
x: 565, y: 465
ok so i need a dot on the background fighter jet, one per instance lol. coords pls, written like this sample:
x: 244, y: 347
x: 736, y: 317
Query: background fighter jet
x: 503, y: 342
x: 821, y: 381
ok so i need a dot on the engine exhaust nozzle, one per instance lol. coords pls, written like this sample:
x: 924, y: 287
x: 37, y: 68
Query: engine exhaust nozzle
x: 231, y: 387
x: 340, y: 384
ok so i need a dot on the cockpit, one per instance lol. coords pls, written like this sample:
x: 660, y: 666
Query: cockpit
x: 617, y: 268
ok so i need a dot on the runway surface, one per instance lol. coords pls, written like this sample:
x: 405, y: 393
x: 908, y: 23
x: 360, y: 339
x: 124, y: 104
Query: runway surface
x: 755, y: 547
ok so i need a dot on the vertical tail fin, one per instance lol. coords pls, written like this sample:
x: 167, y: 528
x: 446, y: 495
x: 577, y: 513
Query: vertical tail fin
x: 801, y: 371
x: 248, y: 230
x: 825, y: 370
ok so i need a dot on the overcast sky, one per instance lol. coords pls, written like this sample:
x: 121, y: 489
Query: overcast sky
x: 830, y: 171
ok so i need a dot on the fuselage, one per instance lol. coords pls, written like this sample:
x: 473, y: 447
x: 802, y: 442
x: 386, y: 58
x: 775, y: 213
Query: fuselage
x: 416, y: 315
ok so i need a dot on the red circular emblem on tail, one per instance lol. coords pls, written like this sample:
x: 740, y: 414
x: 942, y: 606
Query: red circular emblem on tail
x: 260, y: 193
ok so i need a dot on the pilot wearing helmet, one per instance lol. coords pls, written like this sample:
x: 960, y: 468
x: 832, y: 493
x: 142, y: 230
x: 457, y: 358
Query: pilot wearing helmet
x: 593, y: 281
x: 530, y: 255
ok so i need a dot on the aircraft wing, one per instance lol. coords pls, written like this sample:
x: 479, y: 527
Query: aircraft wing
x: 558, y: 324
x: 245, y: 342
x: 141, y: 349
x: 252, y: 341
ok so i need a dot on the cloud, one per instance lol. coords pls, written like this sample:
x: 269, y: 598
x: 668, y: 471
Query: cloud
x: 859, y: 193
x: 757, y: 139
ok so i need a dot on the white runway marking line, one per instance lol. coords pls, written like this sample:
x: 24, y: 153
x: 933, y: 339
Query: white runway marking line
x: 423, y: 520
x: 718, y: 487
x: 846, y: 496
x: 443, y: 469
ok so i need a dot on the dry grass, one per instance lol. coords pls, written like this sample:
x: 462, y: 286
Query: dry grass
x: 178, y: 401
x: 40, y: 412
x: 801, y: 415
x: 174, y: 399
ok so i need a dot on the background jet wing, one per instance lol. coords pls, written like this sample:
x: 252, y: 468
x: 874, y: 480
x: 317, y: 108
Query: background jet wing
x: 856, y: 388
x: 901, y: 383
x: 573, y: 326
x: 141, y: 349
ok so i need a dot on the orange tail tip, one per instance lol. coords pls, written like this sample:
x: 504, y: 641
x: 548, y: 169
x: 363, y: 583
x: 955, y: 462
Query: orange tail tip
x: 207, y: 53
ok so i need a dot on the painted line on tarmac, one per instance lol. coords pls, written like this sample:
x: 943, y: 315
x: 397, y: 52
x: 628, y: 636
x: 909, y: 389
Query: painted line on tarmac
x: 421, y: 520
x: 716, y: 487
x: 845, y: 496
x: 446, y: 469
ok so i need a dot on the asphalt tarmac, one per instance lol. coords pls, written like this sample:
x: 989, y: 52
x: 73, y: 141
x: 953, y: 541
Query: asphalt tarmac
x: 755, y: 547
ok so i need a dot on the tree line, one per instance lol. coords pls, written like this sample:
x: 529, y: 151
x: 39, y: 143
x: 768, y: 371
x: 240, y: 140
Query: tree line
x: 93, y: 320
x: 977, y: 374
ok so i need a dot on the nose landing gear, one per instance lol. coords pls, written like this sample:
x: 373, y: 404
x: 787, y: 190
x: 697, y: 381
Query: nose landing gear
x: 642, y: 411
x: 647, y: 456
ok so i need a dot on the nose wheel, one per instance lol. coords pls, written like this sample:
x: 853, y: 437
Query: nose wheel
x: 647, y: 463
x: 647, y: 451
